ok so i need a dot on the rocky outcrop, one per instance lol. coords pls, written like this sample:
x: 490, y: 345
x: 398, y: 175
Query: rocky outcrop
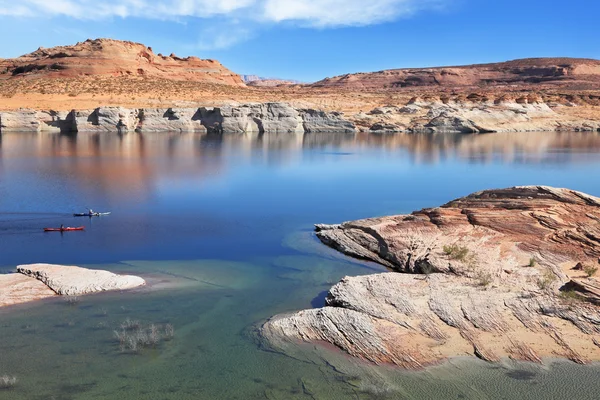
x: 557, y: 72
x: 75, y: 281
x: 40, y: 281
x: 472, y: 115
x: 114, y: 58
x: 243, y: 118
x: 490, y: 275
x: 18, y: 288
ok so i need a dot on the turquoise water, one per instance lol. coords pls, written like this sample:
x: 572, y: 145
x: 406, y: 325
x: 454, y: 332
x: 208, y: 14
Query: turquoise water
x: 221, y: 229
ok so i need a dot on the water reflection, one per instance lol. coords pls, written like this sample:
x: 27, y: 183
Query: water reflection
x: 424, y: 148
x: 130, y: 163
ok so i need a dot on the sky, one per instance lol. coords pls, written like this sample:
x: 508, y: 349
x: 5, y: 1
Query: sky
x: 309, y: 40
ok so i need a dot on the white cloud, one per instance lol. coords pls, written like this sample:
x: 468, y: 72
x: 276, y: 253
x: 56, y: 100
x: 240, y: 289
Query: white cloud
x: 327, y: 13
x: 251, y: 13
x: 309, y: 12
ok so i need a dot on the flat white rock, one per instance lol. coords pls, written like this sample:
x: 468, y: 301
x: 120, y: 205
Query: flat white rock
x: 74, y: 281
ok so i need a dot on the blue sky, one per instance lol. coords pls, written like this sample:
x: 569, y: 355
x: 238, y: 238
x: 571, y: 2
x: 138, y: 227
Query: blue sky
x: 311, y: 39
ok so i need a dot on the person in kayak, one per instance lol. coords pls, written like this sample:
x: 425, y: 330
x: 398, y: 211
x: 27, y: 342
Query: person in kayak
x: 91, y: 211
x: 62, y: 227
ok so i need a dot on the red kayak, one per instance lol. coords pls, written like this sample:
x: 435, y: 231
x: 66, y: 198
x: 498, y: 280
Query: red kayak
x: 67, y: 229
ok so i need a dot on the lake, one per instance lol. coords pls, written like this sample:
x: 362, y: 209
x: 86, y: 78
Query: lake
x: 221, y: 227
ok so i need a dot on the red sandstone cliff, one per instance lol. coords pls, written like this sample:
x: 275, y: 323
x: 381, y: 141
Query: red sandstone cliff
x: 114, y: 58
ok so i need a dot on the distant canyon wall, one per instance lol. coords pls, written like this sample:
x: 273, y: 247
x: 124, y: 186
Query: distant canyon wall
x: 430, y: 115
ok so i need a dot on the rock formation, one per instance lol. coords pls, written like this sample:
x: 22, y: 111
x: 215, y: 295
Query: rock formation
x: 473, y: 115
x: 499, y: 273
x: 244, y: 118
x: 114, y: 58
x: 75, y: 281
x: 560, y: 72
x: 38, y: 281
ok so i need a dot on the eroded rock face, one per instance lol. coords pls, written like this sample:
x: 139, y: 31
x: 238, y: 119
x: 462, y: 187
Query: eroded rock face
x: 75, y: 281
x: 475, y: 115
x: 490, y: 274
x: 243, y: 118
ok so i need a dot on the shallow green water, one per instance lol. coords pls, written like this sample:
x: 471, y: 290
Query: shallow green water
x: 222, y: 231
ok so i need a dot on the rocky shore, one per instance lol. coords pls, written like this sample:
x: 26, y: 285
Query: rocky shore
x: 499, y: 273
x: 245, y: 118
x: 39, y: 281
x: 419, y: 115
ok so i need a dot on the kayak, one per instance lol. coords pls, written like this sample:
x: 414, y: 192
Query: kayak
x: 66, y: 229
x: 96, y: 214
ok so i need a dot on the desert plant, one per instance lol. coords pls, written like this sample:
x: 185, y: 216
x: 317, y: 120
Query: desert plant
x: 133, y: 336
x: 546, y: 281
x: 532, y: 262
x: 456, y: 252
x: 130, y: 324
x: 571, y: 295
x: 590, y: 270
x: 7, y: 382
x: 169, y: 332
x: 71, y: 300
x: 484, y: 279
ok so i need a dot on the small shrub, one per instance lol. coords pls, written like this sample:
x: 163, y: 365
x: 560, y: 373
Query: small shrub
x: 134, y: 337
x: 484, y: 279
x: 130, y: 324
x: 571, y: 295
x: 546, y: 281
x: 71, y: 300
x: 7, y: 382
x: 590, y: 270
x: 169, y: 332
x: 532, y: 262
x: 456, y: 252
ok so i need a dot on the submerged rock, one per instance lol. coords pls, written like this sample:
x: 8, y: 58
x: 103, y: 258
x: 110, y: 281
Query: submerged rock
x: 482, y: 275
x: 74, y: 281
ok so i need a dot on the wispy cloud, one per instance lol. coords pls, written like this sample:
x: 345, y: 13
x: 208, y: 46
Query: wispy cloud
x: 306, y: 13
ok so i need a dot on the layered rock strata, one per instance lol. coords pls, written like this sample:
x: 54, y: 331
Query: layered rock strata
x: 419, y: 115
x: 39, y: 281
x: 559, y: 72
x: 499, y: 273
x: 478, y: 114
x: 245, y: 118
x: 114, y: 58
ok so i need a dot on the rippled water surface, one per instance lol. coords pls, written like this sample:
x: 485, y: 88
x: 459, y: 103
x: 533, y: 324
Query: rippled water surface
x: 221, y: 229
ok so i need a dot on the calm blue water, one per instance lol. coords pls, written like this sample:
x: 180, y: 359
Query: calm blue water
x: 221, y: 227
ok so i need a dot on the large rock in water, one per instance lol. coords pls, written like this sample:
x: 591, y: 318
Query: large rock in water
x: 491, y: 274
x: 74, y: 281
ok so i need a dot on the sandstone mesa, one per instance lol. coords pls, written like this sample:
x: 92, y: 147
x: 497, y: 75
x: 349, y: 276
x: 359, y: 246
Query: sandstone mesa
x: 79, y: 87
x: 499, y: 273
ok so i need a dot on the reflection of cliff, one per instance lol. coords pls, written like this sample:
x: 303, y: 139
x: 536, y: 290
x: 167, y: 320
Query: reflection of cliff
x: 109, y: 165
x: 553, y: 147
x: 129, y: 165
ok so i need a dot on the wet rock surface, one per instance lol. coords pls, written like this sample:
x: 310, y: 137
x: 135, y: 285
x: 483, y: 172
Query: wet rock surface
x: 490, y: 275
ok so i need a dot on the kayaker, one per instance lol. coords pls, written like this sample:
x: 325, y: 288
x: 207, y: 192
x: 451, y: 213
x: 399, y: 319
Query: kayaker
x: 91, y: 211
x: 62, y: 227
